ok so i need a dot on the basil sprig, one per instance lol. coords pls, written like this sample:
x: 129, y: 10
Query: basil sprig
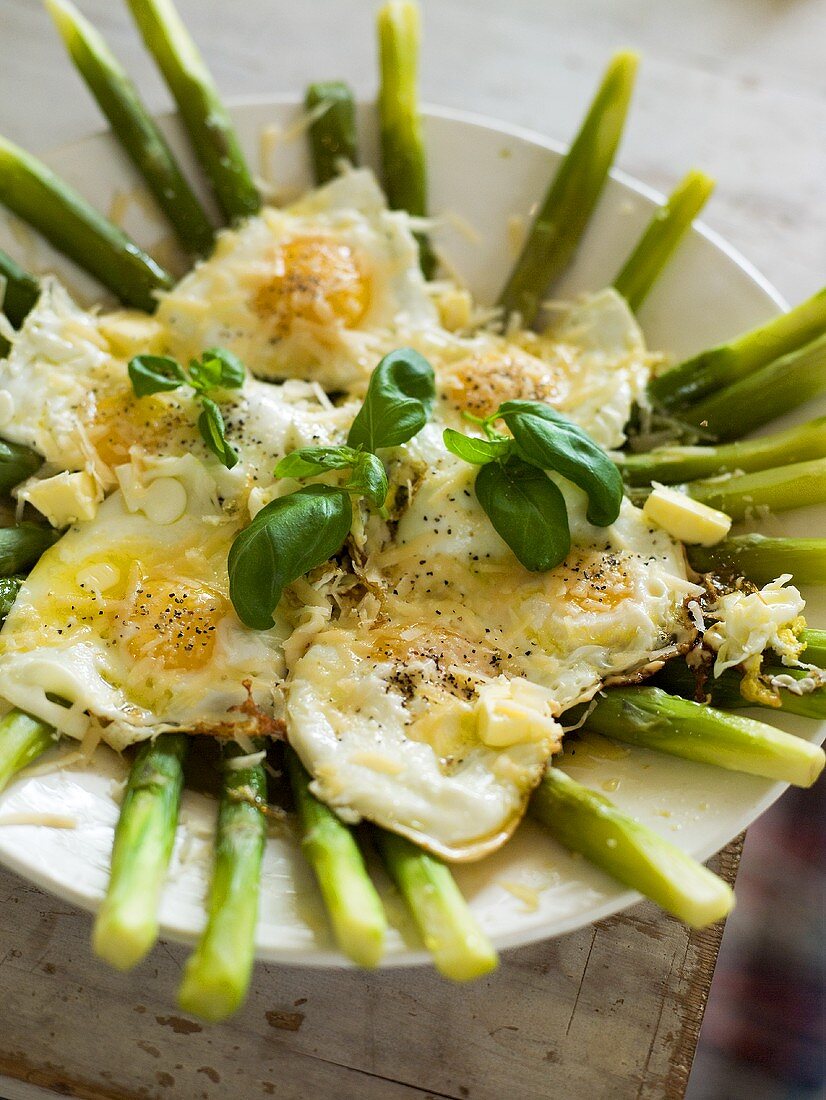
x: 301, y: 530
x: 217, y: 369
x: 368, y: 476
x: 525, y: 507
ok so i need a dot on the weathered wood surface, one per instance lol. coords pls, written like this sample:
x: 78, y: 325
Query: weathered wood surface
x: 612, y: 1012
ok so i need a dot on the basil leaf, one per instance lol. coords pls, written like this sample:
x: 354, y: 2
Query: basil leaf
x: 155, y: 374
x: 369, y: 478
x: 546, y: 438
x: 211, y: 427
x: 527, y: 510
x: 399, y: 398
x: 472, y: 449
x: 308, y: 461
x: 287, y: 539
x: 216, y: 369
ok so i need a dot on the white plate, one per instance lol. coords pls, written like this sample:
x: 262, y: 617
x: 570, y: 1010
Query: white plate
x: 481, y: 174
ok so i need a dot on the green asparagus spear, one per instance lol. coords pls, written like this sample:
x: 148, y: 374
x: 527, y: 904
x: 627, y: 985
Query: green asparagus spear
x: 9, y: 587
x: 796, y: 486
x: 133, y: 126
x: 403, y: 160
x: 460, y: 949
x: 762, y: 559
x: 204, y: 115
x: 16, y: 464
x: 333, y: 129
x: 33, y: 192
x: 21, y: 290
x: 629, y: 851
x: 725, y: 364
x: 126, y: 927
x: 672, y: 464
x: 217, y: 974
x: 724, y: 691
x: 649, y: 717
x: 815, y: 651
x: 665, y: 231
x: 22, y: 740
x: 21, y: 546
x: 572, y: 196
x: 353, y: 905
x: 764, y: 395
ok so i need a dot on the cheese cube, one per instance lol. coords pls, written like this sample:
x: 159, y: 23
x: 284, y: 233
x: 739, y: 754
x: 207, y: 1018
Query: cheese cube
x: 684, y: 518
x: 65, y: 498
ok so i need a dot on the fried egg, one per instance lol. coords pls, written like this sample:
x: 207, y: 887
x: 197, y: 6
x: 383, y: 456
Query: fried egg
x: 431, y: 708
x: 592, y: 365
x: 315, y: 291
x: 128, y: 619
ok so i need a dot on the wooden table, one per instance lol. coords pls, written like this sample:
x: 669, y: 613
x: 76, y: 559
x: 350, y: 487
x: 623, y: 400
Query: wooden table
x: 611, y: 1011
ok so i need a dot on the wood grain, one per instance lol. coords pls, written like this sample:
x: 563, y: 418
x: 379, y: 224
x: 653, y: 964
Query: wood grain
x: 612, y: 1011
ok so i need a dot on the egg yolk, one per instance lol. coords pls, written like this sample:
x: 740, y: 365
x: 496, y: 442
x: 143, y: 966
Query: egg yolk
x: 116, y: 421
x: 316, y: 280
x: 176, y: 622
x: 594, y: 582
x: 482, y: 382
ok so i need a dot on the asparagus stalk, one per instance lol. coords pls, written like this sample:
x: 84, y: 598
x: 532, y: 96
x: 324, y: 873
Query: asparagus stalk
x: 460, y: 949
x: 22, y: 740
x: 21, y: 290
x: 126, y: 927
x: 354, y: 907
x: 649, y: 717
x: 724, y: 691
x: 673, y: 464
x: 725, y: 364
x: 764, y: 395
x: 9, y: 588
x: 796, y: 486
x: 16, y: 464
x: 217, y: 974
x: 204, y: 115
x: 34, y: 193
x: 133, y: 126
x: 573, y: 193
x: 403, y: 161
x: 629, y: 851
x: 333, y: 129
x: 665, y: 231
x: 761, y: 559
x: 815, y: 651
x: 21, y: 546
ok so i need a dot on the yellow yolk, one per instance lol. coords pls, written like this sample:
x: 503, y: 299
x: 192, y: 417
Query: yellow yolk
x: 480, y: 383
x: 117, y: 420
x: 592, y: 581
x: 317, y: 280
x: 175, y: 622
